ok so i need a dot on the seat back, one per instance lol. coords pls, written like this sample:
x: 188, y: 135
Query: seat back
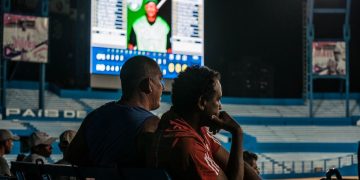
x: 31, y: 171
x: 25, y: 170
x: 144, y: 173
x: 7, y: 177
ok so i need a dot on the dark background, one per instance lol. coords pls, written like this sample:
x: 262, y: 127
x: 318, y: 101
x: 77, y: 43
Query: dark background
x: 257, y: 46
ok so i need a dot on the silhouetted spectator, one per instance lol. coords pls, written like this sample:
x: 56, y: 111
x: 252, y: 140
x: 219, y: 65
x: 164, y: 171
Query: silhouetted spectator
x: 40, y: 147
x: 108, y: 135
x: 20, y: 157
x: 251, y: 158
x: 65, y: 139
x: 6, y: 144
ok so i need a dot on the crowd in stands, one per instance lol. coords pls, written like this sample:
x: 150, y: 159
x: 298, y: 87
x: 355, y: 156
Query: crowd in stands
x: 125, y: 134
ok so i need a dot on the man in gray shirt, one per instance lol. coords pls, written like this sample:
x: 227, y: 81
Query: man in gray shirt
x: 6, y: 144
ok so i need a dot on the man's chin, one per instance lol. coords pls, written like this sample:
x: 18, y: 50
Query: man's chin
x: 155, y: 107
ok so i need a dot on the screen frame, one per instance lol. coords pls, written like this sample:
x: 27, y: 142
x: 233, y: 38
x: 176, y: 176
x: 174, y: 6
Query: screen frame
x: 96, y: 79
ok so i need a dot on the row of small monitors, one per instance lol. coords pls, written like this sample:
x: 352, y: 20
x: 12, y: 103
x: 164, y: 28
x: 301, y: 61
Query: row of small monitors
x: 171, y: 68
x: 117, y: 56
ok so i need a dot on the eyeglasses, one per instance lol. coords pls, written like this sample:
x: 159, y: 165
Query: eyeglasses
x: 162, y: 82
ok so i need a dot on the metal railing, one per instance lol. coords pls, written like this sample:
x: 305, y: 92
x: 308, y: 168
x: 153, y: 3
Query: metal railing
x: 300, y: 167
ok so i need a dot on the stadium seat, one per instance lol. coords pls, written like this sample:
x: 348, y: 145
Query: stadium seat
x: 30, y: 171
x: 7, y: 178
x: 144, y: 173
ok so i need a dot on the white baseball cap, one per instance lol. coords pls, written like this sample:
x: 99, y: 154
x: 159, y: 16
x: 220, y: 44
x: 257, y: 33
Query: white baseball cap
x: 6, y: 134
x: 37, y: 138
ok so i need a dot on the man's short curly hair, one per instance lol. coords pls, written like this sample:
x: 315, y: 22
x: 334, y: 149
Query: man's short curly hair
x: 249, y: 157
x: 190, y: 85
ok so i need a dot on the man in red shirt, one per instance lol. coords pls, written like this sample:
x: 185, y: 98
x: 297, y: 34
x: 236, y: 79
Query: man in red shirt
x: 184, y: 144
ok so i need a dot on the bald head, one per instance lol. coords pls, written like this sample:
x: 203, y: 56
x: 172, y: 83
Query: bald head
x: 134, y: 71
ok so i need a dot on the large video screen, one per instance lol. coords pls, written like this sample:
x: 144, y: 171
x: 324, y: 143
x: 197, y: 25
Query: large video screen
x: 25, y: 38
x: 169, y: 31
x: 329, y: 58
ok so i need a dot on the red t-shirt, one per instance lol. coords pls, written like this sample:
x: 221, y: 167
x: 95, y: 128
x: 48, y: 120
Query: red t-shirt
x: 187, y: 155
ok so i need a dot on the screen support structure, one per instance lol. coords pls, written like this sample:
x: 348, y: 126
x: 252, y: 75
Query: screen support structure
x: 6, y: 6
x: 44, y: 12
x: 310, y: 36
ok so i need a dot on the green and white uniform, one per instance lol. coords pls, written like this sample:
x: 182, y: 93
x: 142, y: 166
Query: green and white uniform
x: 151, y: 37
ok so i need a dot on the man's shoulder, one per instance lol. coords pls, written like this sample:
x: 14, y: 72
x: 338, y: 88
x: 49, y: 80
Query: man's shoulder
x: 151, y: 124
x: 102, y: 107
x: 116, y: 107
x: 2, y: 160
x: 112, y: 112
x: 4, y: 167
x: 108, y: 104
x: 187, y: 144
x: 109, y: 107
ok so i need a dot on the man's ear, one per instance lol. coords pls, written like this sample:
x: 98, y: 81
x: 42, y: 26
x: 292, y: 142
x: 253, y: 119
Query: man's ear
x: 201, y: 103
x: 145, y: 86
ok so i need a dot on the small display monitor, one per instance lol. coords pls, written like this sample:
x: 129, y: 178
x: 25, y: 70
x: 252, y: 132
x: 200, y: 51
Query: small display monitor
x: 329, y: 58
x: 25, y: 38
